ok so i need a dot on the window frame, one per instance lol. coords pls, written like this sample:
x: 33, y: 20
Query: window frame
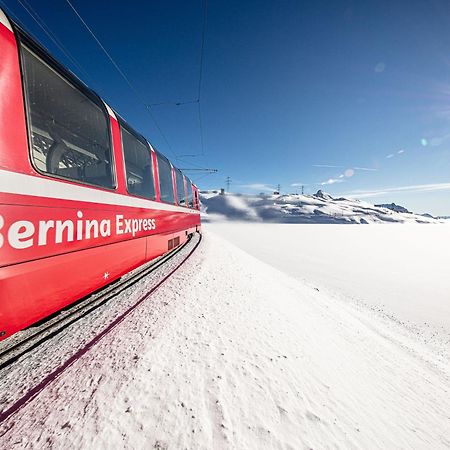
x: 184, y: 187
x: 189, y: 182
x: 24, y: 40
x: 196, y: 197
x: 123, y: 124
x: 159, y: 154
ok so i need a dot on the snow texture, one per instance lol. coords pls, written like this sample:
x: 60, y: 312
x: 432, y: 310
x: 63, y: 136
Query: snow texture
x: 318, y: 208
x: 403, y: 269
x: 234, y: 353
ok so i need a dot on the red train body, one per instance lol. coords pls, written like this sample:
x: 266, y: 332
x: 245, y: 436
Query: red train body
x: 84, y: 199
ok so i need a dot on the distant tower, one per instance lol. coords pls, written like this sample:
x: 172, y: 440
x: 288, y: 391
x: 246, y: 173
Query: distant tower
x: 228, y: 181
x: 278, y: 187
x: 303, y: 189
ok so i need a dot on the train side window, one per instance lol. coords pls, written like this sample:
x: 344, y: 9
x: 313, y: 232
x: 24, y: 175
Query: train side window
x: 69, y: 132
x: 181, y: 194
x: 165, y: 179
x: 138, y: 166
x: 190, y: 193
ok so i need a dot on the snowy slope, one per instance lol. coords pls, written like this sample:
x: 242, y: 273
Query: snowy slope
x: 318, y: 208
x: 233, y: 353
x: 402, y: 269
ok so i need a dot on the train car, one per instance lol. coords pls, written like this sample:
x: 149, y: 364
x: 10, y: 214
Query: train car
x: 84, y: 198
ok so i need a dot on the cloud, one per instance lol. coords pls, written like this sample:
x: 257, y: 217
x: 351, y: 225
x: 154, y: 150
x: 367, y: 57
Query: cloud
x: 258, y: 187
x: 298, y: 184
x: 332, y: 166
x: 331, y: 181
x: 367, y: 169
x: 412, y: 188
x: 399, y: 152
x: 329, y: 166
x: 366, y: 194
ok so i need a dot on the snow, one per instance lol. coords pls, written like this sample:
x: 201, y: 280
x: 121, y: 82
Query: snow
x: 403, y: 269
x: 235, y: 353
x: 293, y: 208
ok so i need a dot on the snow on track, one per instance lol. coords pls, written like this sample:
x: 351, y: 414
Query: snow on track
x: 235, y: 354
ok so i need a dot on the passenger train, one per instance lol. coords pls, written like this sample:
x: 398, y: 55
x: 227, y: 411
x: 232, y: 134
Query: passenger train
x: 84, y: 198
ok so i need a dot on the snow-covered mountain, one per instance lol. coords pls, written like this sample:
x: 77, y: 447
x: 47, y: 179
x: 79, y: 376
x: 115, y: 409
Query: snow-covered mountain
x: 293, y: 208
x: 394, y: 207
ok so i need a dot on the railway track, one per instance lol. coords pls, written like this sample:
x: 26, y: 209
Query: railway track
x: 13, y: 350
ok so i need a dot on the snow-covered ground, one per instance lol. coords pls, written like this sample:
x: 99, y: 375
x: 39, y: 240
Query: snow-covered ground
x: 234, y: 353
x: 294, y: 208
x: 404, y: 269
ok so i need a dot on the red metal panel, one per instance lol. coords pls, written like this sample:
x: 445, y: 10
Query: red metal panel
x: 185, y: 191
x: 174, y: 183
x: 13, y: 134
x: 155, y: 171
x: 118, y: 156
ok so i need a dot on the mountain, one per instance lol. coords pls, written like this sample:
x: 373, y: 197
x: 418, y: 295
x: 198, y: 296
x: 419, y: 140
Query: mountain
x: 294, y: 208
x: 394, y: 207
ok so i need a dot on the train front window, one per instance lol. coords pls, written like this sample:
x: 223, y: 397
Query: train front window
x: 69, y: 132
x: 165, y: 179
x: 181, y: 194
x: 138, y: 166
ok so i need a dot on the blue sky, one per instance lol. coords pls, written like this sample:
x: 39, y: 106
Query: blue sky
x: 349, y: 97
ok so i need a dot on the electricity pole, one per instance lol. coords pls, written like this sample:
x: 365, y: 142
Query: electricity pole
x: 228, y: 182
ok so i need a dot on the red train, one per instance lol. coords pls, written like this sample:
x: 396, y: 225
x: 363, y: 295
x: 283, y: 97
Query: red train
x: 84, y: 198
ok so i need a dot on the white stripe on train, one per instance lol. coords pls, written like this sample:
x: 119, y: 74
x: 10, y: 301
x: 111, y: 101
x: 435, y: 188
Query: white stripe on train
x: 24, y: 184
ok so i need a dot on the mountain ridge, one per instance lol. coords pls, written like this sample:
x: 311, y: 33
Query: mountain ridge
x: 320, y: 207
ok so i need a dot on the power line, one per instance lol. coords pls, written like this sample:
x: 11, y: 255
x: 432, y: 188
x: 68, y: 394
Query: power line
x: 41, y: 23
x: 187, y: 102
x: 201, y: 169
x: 200, y: 78
x: 123, y: 75
x: 202, y: 49
x: 201, y: 177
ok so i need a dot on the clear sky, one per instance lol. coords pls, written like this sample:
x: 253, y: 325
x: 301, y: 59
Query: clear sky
x: 351, y: 97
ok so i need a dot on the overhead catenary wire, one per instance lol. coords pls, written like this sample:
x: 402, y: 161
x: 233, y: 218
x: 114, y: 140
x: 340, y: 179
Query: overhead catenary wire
x: 124, y: 76
x: 199, y: 86
x: 200, y: 78
x: 201, y: 177
x: 187, y: 102
x: 46, y: 29
x: 200, y: 169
